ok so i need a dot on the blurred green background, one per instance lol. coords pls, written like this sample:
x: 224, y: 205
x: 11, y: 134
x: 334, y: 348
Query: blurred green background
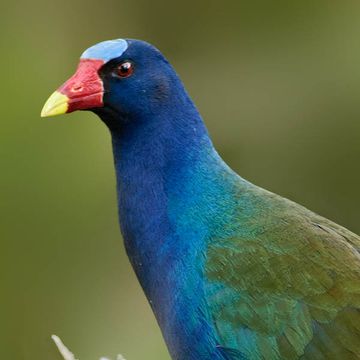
x: 278, y: 83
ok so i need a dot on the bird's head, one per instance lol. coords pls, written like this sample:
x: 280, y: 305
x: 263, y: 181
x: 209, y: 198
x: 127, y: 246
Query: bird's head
x: 116, y: 77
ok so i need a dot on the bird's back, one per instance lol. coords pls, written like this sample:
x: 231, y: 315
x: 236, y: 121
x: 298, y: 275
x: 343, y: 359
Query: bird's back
x: 283, y: 282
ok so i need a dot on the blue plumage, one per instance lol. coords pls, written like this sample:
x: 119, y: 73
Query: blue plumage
x: 154, y: 158
x: 231, y: 271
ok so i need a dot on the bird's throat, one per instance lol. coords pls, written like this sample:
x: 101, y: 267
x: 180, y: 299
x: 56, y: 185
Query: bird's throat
x: 152, y: 159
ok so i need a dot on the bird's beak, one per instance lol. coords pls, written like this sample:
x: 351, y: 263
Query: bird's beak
x: 83, y: 91
x: 56, y: 104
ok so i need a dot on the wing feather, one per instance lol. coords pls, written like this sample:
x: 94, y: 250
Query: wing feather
x: 286, y: 284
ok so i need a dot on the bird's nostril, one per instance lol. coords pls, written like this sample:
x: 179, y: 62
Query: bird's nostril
x: 77, y: 88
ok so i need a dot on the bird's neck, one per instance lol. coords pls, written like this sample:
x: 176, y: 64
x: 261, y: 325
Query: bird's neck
x: 167, y: 171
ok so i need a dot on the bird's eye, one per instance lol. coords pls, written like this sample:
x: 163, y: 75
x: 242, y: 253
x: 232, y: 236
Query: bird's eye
x: 125, y: 69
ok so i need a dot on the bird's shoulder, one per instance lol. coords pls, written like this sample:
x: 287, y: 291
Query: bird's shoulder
x: 284, y: 281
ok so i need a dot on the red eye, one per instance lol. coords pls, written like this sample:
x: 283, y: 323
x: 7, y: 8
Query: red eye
x: 125, y: 69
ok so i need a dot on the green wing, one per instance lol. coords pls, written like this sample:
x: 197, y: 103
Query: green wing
x: 285, y: 283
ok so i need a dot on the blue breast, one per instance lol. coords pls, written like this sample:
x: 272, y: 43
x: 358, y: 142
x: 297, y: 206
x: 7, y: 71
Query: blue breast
x: 166, y: 219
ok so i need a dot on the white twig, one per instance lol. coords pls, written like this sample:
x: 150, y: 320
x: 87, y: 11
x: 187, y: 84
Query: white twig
x: 68, y: 355
x: 64, y: 351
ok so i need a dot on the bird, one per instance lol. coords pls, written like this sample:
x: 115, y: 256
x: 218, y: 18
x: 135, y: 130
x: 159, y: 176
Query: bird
x: 230, y: 270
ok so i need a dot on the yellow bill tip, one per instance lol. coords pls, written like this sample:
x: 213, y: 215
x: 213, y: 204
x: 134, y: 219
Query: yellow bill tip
x: 56, y: 104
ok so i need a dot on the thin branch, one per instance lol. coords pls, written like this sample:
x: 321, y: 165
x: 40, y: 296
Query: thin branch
x: 68, y: 355
x: 64, y: 351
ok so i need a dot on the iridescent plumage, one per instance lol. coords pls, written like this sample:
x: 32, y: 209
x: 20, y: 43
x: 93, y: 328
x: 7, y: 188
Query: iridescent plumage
x: 231, y: 271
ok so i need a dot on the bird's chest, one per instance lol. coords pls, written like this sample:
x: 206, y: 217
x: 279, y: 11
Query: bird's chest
x: 168, y: 261
x: 168, y: 258
x: 166, y: 226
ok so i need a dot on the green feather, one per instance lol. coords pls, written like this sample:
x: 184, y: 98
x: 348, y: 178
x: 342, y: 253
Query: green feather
x: 287, y: 281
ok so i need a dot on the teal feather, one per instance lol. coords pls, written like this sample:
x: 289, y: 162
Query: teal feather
x: 287, y: 282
